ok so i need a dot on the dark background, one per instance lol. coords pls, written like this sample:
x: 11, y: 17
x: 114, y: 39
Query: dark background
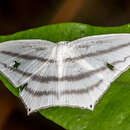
x: 17, y: 15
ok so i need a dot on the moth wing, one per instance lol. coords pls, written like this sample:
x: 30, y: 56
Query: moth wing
x: 89, y: 64
x: 62, y: 84
x: 82, y: 76
x: 79, y: 86
x: 101, y: 50
x: 42, y: 88
x: 31, y: 54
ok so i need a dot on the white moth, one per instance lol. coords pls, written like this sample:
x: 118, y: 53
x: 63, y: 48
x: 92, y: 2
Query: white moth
x: 72, y: 74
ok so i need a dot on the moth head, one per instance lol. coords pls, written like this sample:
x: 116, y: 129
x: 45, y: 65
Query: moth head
x: 63, y: 42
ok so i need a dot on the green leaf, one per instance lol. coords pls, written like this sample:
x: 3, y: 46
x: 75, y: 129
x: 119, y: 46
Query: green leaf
x: 112, y: 112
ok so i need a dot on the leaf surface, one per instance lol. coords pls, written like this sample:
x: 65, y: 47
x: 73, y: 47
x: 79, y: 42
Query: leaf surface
x: 112, y: 112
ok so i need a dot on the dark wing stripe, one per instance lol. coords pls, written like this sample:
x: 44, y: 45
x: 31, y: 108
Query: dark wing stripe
x: 40, y: 93
x: 43, y: 79
x: 77, y: 77
x: 82, y: 91
x: 66, y: 92
x: 83, y: 46
x: 111, y: 49
x: 27, y: 57
x: 40, y: 48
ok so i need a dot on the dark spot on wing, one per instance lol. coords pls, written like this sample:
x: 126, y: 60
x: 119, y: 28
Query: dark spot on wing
x: 16, y: 64
x: 110, y: 66
x: 90, y: 106
x: 29, y: 109
x: 22, y: 87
